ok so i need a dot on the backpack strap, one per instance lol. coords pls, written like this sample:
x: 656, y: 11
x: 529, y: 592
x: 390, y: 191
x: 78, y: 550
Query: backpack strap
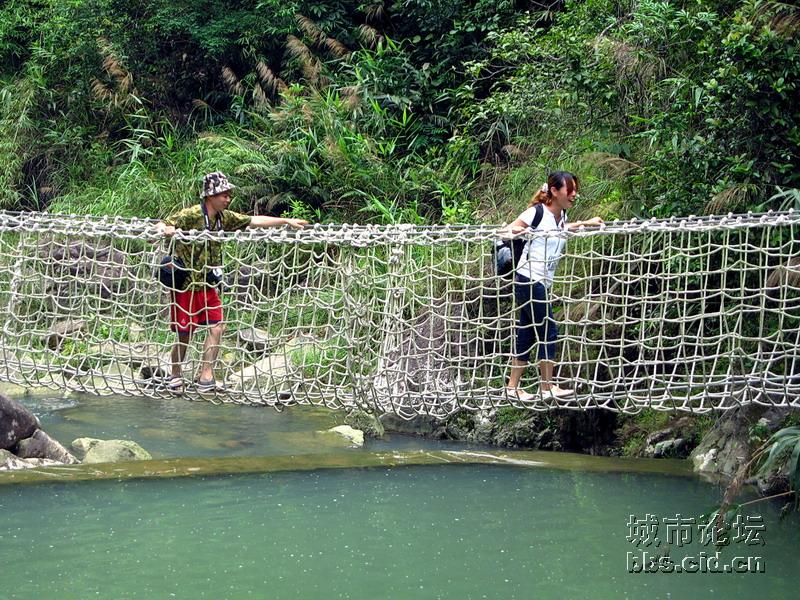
x: 537, y: 216
x: 518, y: 244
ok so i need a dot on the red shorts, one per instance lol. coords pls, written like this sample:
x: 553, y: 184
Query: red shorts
x: 191, y: 308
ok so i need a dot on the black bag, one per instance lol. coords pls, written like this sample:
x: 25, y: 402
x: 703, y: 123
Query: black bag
x: 214, y: 278
x: 508, y: 253
x: 172, y: 273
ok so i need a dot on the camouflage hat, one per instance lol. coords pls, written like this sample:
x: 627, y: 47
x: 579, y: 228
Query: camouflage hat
x: 215, y: 183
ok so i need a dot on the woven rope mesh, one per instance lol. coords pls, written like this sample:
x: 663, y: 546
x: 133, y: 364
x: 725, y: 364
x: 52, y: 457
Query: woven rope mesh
x: 684, y: 314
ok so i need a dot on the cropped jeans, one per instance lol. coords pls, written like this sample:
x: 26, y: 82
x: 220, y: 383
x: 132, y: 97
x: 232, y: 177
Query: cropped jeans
x: 536, y: 323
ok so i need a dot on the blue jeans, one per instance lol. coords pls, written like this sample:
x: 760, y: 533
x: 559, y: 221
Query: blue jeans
x: 536, y: 323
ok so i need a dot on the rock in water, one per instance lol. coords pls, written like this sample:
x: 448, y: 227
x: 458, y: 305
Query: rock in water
x: 16, y: 422
x: 366, y: 422
x: 41, y: 445
x: 91, y: 450
x: 81, y: 446
x: 12, y: 462
x: 354, y: 436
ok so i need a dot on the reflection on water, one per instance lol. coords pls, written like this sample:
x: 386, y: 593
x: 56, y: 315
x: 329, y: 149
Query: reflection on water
x: 413, y: 532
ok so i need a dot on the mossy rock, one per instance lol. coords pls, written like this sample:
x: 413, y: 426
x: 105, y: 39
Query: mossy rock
x: 366, y: 422
x: 91, y: 450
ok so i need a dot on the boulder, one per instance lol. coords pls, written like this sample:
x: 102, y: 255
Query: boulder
x: 366, y: 422
x: 247, y: 285
x: 272, y: 371
x: 41, y: 445
x: 669, y: 442
x: 12, y: 462
x: 136, y: 332
x: 726, y: 446
x: 114, y: 376
x: 423, y: 425
x: 774, y: 417
x: 255, y: 339
x: 776, y: 480
x: 91, y: 450
x: 773, y: 482
x: 526, y: 433
x: 100, y: 269
x: 484, y: 427
x: 16, y: 422
x: 131, y: 353
x: 671, y: 448
x: 61, y: 331
x: 354, y: 436
x: 474, y: 427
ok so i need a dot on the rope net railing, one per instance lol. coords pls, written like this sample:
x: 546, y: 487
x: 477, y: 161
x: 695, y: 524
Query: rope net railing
x: 690, y: 314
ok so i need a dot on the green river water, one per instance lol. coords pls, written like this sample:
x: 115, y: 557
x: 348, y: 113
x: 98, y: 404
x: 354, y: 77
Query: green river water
x: 270, y: 508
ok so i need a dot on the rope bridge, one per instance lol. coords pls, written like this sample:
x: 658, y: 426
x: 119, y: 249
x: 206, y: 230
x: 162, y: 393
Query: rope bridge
x: 687, y: 314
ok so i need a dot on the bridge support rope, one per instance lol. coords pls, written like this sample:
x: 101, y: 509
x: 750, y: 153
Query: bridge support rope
x: 690, y: 314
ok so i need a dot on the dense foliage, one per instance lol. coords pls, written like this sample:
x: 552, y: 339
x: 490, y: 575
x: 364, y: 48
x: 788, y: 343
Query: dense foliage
x: 424, y: 111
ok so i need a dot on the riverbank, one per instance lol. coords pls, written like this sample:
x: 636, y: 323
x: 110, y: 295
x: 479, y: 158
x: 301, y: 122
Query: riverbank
x: 176, y: 428
x: 715, y: 445
x: 205, y: 467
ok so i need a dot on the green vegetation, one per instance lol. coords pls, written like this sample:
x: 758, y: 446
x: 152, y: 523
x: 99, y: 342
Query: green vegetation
x: 508, y: 416
x: 435, y: 111
x: 423, y: 112
x: 634, y: 430
x: 780, y: 454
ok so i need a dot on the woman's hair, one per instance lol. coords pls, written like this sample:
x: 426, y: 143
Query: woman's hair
x: 555, y: 180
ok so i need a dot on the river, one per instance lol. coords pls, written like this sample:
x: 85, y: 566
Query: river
x: 311, y: 518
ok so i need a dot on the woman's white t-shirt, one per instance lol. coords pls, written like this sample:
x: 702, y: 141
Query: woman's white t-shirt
x: 541, y: 254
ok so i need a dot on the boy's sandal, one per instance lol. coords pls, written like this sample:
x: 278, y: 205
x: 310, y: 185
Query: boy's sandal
x: 175, y: 385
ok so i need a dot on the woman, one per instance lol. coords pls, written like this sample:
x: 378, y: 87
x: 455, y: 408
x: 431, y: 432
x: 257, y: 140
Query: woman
x: 534, y: 276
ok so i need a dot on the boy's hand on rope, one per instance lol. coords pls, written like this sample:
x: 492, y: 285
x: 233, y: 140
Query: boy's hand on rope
x: 267, y: 221
x: 296, y: 223
x: 164, y: 229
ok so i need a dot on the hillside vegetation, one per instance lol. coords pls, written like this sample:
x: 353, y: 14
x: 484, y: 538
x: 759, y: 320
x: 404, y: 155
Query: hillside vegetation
x: 421, y: 111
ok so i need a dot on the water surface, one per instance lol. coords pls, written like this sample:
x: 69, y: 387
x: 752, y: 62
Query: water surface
x: 555, y: 526
x: 409, y: 532
x: 175, y: 427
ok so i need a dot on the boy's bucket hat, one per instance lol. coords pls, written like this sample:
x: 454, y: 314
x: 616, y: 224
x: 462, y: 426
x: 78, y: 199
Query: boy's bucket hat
x: 215, y: 183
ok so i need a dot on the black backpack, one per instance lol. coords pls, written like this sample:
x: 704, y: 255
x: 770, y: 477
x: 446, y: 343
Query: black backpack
x: 508, y: 253
x: 172, y: 273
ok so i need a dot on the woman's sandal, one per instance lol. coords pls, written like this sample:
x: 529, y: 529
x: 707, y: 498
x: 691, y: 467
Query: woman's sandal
x: 206, y: 386
x: 557, y: 392
x: 519, y: 394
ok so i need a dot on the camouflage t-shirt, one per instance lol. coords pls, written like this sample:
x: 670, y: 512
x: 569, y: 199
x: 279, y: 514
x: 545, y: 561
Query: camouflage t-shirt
x: 200, y: 258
